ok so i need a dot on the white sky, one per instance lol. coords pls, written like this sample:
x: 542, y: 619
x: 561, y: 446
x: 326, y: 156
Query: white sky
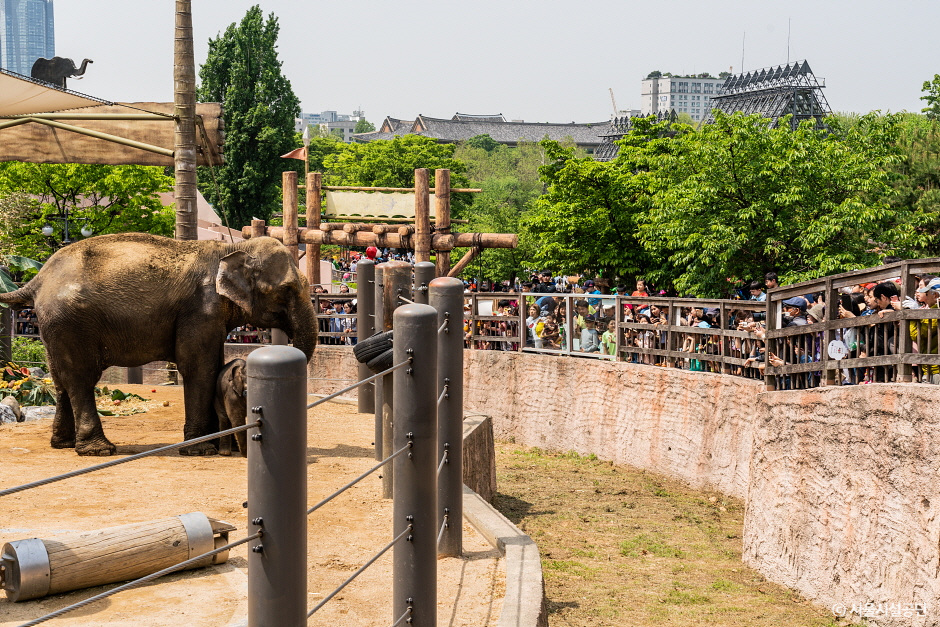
x: 533, y: 60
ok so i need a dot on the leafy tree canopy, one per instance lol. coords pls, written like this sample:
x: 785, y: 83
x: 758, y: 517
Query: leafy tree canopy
x: 392, y: 162
x: 108, y: 199
x: 243, y: 72
x: 364, y: 126
x: 932, y: 97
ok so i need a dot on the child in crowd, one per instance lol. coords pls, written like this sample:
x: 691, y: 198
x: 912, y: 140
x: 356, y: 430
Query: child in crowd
x: 590, y: 338
x: 609, y: 339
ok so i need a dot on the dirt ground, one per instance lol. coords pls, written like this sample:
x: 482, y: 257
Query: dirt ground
x: 342, y: 536
x: 621, y: 546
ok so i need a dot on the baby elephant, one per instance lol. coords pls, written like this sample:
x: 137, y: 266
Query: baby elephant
x: 231, y: 405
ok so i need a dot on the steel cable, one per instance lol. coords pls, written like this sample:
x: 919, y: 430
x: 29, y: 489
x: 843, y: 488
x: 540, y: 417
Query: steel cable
x: 444, y: 525
x: 444, y: 394
x: 124, y: 460
x: 355, y: 385
x: 403, y: 617
x: 361, y: 569
x: 440, y: 466
x: 358, y: 479
x: 142, y: 580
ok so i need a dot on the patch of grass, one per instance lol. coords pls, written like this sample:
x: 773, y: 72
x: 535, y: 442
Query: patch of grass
x: 621, y: 546
x: 645, y: 544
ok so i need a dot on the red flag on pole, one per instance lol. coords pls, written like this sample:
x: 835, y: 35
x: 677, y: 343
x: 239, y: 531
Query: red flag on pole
x: 300, y: 153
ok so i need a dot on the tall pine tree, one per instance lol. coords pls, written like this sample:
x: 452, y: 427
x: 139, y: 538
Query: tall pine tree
x: 242, y: 71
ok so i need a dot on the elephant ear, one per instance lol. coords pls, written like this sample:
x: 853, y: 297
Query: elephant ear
x: 234, y: 278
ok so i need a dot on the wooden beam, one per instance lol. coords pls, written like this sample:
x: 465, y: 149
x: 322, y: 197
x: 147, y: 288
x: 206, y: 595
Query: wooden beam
x: 422, y: 216
x: 391, y: 239
x: 289, y: 206
x: 184, y: 111
x: 442, y: 217
x: 465, y: 261
x: 314, y: 181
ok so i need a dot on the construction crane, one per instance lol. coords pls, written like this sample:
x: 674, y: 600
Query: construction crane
x: 612, y: 101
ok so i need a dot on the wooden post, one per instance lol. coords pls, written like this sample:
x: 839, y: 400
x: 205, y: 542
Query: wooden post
x: 422, y: 237
x: 442, y: 213
x: 465, y: 260
x: 289, y: 206
x: 314, y: 183
x: 257, y: 228
x: 184, y: 111
x: 905, y: 344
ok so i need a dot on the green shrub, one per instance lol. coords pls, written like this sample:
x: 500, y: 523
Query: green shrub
x: 30, y: 352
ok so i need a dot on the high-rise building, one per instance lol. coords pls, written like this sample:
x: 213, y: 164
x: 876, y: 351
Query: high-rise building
x: 682, y: 94
x: 27, y: 32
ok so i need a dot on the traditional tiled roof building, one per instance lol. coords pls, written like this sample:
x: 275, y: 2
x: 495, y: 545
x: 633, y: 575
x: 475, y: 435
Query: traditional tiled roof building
x: 462, y: 127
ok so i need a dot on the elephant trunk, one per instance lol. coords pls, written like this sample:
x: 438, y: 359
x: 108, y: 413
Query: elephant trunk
x: 303, y: 322
x: 81, y: 70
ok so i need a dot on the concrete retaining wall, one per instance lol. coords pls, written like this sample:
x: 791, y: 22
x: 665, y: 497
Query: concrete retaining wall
x: 692, y: 425
x: 844, y: 496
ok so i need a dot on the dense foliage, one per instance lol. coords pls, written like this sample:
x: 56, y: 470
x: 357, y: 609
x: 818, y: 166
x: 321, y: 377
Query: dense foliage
x: 107, y: 199
x: 242, y: 71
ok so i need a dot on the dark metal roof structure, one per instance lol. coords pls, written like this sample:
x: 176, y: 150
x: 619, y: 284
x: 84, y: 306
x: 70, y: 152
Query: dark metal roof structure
x: 462, y: 127
x: 774, y: 92
x: 617, y: 128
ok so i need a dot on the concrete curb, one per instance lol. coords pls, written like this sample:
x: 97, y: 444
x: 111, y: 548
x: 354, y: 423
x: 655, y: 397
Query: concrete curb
x: 524, y: 603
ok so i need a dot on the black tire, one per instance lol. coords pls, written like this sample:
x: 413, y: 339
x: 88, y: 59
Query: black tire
x: 372, y: 347
x: 382, y: 362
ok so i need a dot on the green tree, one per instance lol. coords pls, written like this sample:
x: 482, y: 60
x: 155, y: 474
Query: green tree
x: 392, y: 162
x: 737, y: 199
x: 364, y: 126
x: 108, y: 199
x: 243, y: 72
x: 932, y: 97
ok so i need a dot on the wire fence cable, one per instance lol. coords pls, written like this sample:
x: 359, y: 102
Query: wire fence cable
x: 141, y: 581
x: 355, y: 385
x: 358, y: 479
x: 124, y: 460
x: 361, y: 569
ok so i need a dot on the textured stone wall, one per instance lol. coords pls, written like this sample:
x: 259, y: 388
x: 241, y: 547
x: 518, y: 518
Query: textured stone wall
x: 692, y: 425
x: 844, y: 496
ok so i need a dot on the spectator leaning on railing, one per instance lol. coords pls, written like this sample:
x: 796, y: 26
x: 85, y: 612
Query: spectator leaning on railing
x: 924, y: 332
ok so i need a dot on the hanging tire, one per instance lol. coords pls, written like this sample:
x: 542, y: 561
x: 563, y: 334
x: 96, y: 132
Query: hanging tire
x: 372, y: 347
x: 382, y: 362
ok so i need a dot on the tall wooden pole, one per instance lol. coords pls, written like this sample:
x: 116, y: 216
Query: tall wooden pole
x: 289, y: 207
x: 184, y: 110
x: 422, y: 216
x: 314, y: 182
x: 442, y: 213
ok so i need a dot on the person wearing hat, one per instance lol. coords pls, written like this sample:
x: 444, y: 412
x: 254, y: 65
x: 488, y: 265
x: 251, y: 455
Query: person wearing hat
x: 590, y: 338
x: 924, y: 332
x: 794, y: 312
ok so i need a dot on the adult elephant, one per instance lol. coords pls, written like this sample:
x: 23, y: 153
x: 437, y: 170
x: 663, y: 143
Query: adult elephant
x: 57, y: 69
x: 133, y: 298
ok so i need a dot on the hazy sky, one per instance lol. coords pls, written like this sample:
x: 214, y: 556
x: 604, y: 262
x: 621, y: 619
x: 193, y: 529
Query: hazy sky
x: 536, y: 61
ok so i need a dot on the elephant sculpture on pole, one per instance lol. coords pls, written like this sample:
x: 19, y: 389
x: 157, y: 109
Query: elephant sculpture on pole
x: 57, y: 69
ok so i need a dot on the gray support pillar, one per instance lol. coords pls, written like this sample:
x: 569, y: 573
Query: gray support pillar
x: 279, y: 338
x: 446, y: 296
x: 365, y: 327
x: 396, y: 282
x: 424, y: 274
x: 135, y: 375
x: 277, y: 487
x: 379, y: 295
x: 414, y: 568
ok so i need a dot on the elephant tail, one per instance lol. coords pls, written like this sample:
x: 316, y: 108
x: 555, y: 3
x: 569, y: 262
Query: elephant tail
x: 22, y: 297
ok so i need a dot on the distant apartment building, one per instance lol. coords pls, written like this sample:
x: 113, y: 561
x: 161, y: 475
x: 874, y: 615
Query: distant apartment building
x: 27, y: 32
x: 330, y: 121
x: 685, y: 94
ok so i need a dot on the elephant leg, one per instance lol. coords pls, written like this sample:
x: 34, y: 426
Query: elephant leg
x: 225, y: 442
x: 90, y: 438
x: 200, y: 368
x: 63, y: 426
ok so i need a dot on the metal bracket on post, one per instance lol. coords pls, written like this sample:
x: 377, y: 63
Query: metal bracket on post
x: 277, y: 488
x: 414, y: 565
x: 446, y: 296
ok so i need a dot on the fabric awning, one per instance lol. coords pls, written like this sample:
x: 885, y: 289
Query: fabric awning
x: 21, y: 95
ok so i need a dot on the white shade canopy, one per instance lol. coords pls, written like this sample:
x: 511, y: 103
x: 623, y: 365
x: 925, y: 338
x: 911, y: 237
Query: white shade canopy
x: 20, y: 95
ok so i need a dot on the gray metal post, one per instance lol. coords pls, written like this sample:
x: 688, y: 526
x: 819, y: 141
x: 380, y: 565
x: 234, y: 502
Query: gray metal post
x: 277, y: 487
x: 424, y: 274
x: 414, y: 566
x: 396, y: 282
x: 446, y: 295
x: 378, y: 296
x: 135, y: 374
x: 279, y: 337
x: 365, y: 327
